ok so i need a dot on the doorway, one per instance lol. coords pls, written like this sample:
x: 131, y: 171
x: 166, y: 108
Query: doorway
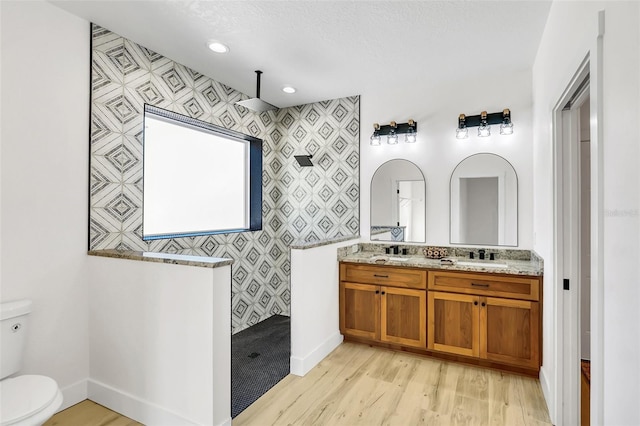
x: 411, y: 208
x: 573, y: 236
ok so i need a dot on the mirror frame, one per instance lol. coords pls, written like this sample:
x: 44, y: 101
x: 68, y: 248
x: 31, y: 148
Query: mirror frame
x: 517, y: 204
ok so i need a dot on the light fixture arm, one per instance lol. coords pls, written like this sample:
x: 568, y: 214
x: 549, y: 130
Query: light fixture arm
x: 258, y: 72
x: 475, y: 120
x: 398, y: 129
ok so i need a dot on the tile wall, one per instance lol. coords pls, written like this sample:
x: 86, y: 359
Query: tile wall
x: 299, y: 203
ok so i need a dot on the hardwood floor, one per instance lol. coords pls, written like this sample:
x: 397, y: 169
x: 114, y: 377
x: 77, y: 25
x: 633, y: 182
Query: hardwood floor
x: 88, y: 413
x: 360, y: 385
x: 357, y: 384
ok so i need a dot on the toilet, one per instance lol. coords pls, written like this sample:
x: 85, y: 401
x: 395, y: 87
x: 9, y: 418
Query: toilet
x: 27, y: 400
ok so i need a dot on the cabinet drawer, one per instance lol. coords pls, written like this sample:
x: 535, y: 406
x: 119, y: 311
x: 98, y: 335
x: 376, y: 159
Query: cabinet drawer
x: 397, y: 277
x: 526, y: 288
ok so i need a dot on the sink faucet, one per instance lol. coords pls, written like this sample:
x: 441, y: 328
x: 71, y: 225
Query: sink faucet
x: 395, y: 249
x: 481, y: 253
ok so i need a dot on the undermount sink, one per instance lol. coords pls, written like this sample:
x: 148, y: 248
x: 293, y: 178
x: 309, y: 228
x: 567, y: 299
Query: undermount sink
x: 483, y: 264
x: 389, y: 258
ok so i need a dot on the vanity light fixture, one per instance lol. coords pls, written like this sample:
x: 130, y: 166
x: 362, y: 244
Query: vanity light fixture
x: 217, y: 47
x: 462, y: 132
x: 484, y: 129
x: 392, y: 137
x: 483, y: 122
x: 375, y: 137
x: 410, y: 136
x: 393, y: 130
x: 506, y: 127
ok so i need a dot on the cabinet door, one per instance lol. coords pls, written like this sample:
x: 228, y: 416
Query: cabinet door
x: 453, y: 324
x: 510, y: 331
x: 360, y: 310
x: 404, y: 316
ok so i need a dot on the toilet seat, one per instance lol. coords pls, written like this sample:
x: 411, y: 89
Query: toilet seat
x: 30, y: 397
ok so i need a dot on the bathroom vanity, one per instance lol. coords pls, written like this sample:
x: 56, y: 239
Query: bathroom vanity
x: 484, y: 313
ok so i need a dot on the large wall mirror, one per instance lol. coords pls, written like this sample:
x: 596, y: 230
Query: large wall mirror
x: 484, y: 202
x: 398, y: 203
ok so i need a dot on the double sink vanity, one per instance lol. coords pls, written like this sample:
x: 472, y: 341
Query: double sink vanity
x: 484, y: 312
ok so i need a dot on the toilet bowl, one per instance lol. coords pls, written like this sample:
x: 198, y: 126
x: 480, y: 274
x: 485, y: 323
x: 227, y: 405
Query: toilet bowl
x: 26, y: 400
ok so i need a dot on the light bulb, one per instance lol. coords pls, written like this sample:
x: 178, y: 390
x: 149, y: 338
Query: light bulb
x: 410, y: 137
x: 375, y: 139
x: 462, y: 133
x: 506, y: 128
x: 484, y: 130
x: 392, y: 139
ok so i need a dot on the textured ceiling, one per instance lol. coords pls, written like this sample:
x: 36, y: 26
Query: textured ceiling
x: 331, y: 49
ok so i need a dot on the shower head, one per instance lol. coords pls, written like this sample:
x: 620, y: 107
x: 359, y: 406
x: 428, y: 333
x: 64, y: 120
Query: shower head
x: 256, y: 104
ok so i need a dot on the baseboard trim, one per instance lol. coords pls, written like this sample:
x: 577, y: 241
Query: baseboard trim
x: 227, y: 422
x: 302, y: 365
x: 133, y: 407
x: 73, y: 394
x: 548, y: 395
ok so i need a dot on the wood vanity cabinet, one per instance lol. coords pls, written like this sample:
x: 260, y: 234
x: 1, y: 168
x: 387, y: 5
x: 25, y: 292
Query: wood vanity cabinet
x: 384, y: 304
x: 487, y: 316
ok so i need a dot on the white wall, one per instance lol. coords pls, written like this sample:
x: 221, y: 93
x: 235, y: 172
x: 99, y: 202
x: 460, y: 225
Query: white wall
x: 315, y: 325
x: 44, y: 131
x: 437, y: 151
x: 160, y: 341
x: 570, y: 35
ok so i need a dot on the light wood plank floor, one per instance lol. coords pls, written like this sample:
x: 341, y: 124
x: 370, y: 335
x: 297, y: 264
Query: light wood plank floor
x: 360, y: 385
x: 88, y: 413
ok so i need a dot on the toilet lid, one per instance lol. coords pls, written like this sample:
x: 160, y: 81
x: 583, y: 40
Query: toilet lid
x: 23, y: 396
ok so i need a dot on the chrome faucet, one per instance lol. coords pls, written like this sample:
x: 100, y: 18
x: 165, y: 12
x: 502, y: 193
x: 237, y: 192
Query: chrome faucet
x: 481, y: 254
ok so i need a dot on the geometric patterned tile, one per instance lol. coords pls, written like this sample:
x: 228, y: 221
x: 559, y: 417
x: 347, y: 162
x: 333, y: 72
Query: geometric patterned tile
x: 298, y: 203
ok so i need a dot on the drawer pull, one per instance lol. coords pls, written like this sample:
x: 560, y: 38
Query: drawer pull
x: 479, y: 285
x: 381, y: 276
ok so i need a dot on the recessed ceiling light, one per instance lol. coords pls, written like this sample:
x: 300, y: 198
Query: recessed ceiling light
x: 289, y: 89
x: 217, y: 47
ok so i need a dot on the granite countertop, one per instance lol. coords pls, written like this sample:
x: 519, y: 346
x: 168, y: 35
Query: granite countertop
x: 514, y: 267
x: 303, y: 245
x: 176, y: 259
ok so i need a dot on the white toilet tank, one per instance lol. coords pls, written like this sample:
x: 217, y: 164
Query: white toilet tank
x: 13, y: 328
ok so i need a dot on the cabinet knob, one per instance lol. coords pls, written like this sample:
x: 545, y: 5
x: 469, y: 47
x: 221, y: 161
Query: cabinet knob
x: 475, y: 303
x: 484, y: 304
x: 383, y: 293
x: 377, y: 291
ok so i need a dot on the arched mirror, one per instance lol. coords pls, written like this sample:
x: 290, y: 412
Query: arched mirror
x: 398, y: 203
x: 484, y: 202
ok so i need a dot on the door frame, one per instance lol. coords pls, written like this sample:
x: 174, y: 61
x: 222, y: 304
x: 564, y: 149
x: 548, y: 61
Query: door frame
x: 567, y: 226
x: 566, y: 309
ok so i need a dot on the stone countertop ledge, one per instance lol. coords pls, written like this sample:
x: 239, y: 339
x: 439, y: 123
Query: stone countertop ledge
x: 304, y: 245
x: 514, y: 267
x: 176, y: 259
